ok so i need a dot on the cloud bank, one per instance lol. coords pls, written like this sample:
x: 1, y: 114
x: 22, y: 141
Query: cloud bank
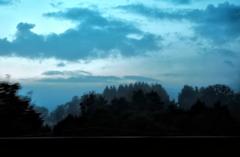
x: 94, y: 36
x: 219, y: 23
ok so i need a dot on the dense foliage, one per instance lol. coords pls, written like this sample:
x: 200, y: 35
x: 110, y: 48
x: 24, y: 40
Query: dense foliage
x: 17, y: 117
x: 135, y: 109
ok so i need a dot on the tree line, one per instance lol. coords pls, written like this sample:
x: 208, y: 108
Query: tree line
x: 134, y: 109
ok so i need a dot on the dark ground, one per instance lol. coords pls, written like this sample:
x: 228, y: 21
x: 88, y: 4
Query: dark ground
x: 90, y: 145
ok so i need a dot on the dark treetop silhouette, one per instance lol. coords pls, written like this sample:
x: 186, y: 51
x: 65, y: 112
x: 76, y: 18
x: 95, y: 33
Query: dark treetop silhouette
x: 135, y: 109
x: 17, y: 117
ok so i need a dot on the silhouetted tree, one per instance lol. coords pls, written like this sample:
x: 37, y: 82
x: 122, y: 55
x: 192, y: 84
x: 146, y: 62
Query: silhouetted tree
x: 62, y: 111
x: 213, y: 94
x: 91, y: 102
x: 109, y: 93
x: 234, y: 106
x: 119, y: 105
x: 199, y: 107
x: 43, y: 111
x: 138, y: 100
x: 127, y: 91
x: 141, y: 109
x: 17, y: 117
x: 187, y: 97
x: 154, y: 101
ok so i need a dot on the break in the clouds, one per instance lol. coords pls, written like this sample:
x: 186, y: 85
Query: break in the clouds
x: 219, y: 23
x: 93, y: 36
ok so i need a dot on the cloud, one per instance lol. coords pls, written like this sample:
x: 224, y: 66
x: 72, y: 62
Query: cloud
x: 229, y: 63
x: 50, y: 73
x: 140, y: 79
x: 94, y: 35
x: 96, y: 79
x: 181, y: 1
x: 75, y: 73
x: 151, y: 12
x: 221, y: 52
x: 6, y: 2
x: 25, y: 27
x: 61, y: 64
x: 85, y: 15
x: 219, y: 23
x: 83, y: 79
x: 56, y: 4
x: 87, y: 77
x: 226, y: 53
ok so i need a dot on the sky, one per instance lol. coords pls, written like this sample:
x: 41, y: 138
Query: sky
x: 58, y: 49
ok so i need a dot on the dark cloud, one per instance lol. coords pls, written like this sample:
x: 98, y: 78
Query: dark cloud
x: 93, y: 36
x: 218, y: 23
x: 85, y: 15
x: 98, y: 79
x: 229, y: 63
x: 151, y: 12
x: 24, y: 27
x: 172, y: 75
x: 50, y: 73
x: 75, y: 73
x: 181, y: 1
x: 61, y: 64
x: 83, y: 79
x: 56, y: 4
x: 226, y: 53
x: 81, y: 76
x: 6, y: 2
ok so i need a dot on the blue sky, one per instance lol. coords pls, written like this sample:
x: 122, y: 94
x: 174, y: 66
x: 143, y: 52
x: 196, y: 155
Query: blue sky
x: 70, y: 47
